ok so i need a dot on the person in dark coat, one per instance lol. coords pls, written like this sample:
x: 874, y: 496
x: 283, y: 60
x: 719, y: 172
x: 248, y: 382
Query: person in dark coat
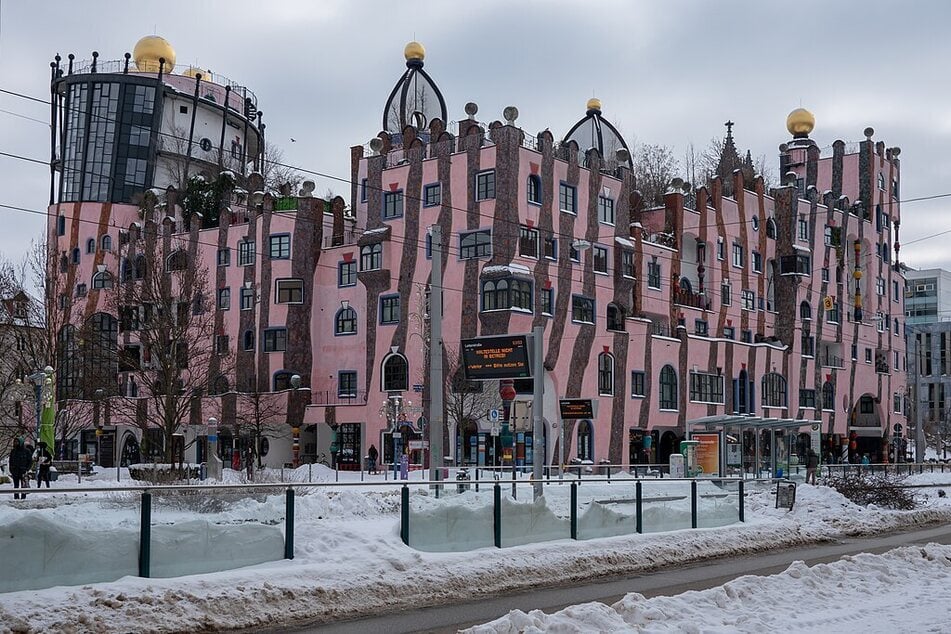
x: 372, y: 456
x: 812, y: 464
x: 44, y: 460
x: 21, y: 459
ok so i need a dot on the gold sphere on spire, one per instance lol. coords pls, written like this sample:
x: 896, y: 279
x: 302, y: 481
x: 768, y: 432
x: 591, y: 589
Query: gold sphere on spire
x: 414, y: 51
x: 149, y: 50
x: 800, y: 122
x: 594, y: 104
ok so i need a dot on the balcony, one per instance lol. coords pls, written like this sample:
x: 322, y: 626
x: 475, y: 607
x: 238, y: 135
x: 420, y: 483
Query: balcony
x: 829, y: 360
x: 335, y: 397
x: 691, y: 299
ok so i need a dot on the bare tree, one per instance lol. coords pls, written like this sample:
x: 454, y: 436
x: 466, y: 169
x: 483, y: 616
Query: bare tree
x: 259, y: 415
x: 277, y: 173
x: 654, y: 168
x: 167, y: 304
x: 465, y: 401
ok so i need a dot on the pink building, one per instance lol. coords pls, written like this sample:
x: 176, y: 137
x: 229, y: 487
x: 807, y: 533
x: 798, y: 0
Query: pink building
x: 726, y: 299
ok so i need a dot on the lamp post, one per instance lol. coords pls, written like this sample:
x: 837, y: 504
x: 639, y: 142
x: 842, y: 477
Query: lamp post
x: 213, y: 459
x: 507, y: 393
x: 97, y: 423
x: 39, y: 381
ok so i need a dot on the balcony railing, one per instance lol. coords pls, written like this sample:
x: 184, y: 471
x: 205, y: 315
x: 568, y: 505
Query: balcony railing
x: 347, y: 238
x: 337, y: 397
x: 832, y: 361
x: 691, y: 299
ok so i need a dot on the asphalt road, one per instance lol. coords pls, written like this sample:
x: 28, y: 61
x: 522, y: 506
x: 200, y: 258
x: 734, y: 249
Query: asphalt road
x: 696, y: 576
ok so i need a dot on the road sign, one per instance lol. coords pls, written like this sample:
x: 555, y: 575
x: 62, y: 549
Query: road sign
x: 897, y: 427
x: 397, y: 434
x: 496, y: 430
x: 494, y: 415
x: 419, y: 444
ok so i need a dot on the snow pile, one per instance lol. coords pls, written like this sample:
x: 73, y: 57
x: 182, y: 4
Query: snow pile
x: 865, y: 592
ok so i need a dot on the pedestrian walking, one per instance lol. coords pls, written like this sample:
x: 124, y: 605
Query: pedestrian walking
x: 20, y: 461
x: 44, y: 461
x: 372, y: 456
x: 812, y: 464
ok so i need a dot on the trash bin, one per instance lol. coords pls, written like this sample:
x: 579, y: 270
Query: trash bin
x: 462, y: 479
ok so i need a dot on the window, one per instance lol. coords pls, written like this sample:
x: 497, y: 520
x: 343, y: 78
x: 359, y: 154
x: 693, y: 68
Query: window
x: 245, y: 253
x: 739, y: 255
x: 280, y: 247
x: 76, y: 255
x: 757, y: 262
x: 720, y: 249
x: 805, y: 311
x: 600, y: 259
x: 896, y: 403
x: 363, y: 190
x: 605, y: 210
x: 533, y: 189
x: 224, y: 257
x: 726, y: 294
x: 528, y: 242
x: 615, y: 317
x: 395, y: 373
x: 729, y: 332
x: 221, y: 344
x: 547, y: 300
x: 774, y: 390
x: 627, y: 263
x: 573, y: 253
x: 177, y: 261
x: 506, y: 293
x: 746, y: 336
x: 653, y: 273
x: 701, y: 327
x: 770, y: 228
x: 475, y: 244
x: 249, y: 340
x: 754, y: 221
x: 106, y: 242
x: 855, y: 352
x: 392, y: 205
x: 432, y: 195
x: 833, y: 314
x: 347, y: 384
x: 638, y: 380
x: 747, y: 299
x: 807, y: 398
x: 247, y: 298
x: 485, y: 185
x: 91, y: 245
x: 881, y: 181
x: 802, y: 228
x: 275, y: 340
x: 868, y: 355
x: 61, y: 225
x: 282, y: 380
x: 390, y: 309
x: 825, y: 275
x: 347, y: 273
x: 551, y: 248
x: 668, y: 388
x: 582, y: 309
x: 345, y: 323
x: 224, y: 298
x: 706, y: 388
x: 567, y: 198
x: 808, y: 345
x: 605, y: 374
x: 80, y: 290
x: 828, y: 396
x: 102, y: 279
x: 290, y: 291
x: 880, y: 285
x: 371, y: 257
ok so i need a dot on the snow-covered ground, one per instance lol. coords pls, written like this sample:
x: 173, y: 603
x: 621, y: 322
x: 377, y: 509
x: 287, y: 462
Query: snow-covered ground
x: 904, y: 590
x: 349, y: 559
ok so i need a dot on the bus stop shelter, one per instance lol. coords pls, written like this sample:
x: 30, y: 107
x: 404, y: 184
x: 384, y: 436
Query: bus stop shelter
x: 726, y: 424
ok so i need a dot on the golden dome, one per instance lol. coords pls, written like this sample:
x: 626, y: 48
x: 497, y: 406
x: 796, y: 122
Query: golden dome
x: 414, y: 50
x: 191, y: 71
x: 800, y: 122
x: 594, y: 104
x: 149, y: 50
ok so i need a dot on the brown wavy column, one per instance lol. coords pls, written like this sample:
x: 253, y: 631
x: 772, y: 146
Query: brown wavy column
x: 565, y: 232
x: 306, y: 243
x: 471, y: 144
x: 264, y: 296
x: 623, y: 288
x: 413, y: 240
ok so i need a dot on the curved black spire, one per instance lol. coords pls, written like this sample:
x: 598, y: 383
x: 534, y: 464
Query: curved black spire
x: 594, y: 131
x: 415, y: 100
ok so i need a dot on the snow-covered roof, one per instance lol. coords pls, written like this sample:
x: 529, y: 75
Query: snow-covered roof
x: 513, y: 268
x: 624, y: 242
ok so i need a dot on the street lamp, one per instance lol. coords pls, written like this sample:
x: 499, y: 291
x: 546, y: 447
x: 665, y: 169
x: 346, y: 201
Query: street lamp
x: 97, y: 423
x: 39, y: 380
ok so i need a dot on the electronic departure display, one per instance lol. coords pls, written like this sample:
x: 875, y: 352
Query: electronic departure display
x: 576, y: 408
x: 503, y: 357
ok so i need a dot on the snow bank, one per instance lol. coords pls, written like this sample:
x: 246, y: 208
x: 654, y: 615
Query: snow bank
x: 864, y: 592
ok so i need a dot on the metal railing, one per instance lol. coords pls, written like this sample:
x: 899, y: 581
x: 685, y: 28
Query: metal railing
x: 334, y: 397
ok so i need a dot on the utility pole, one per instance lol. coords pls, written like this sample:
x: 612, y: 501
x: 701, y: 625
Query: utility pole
x: 538, y: 413
x: 436, y: 381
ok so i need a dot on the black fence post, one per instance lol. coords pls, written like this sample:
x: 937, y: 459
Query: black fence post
x: 478, y: 477
x: 404, y: 514
x: 514, y: 493
x: 497, y: 514
x: 145, y: 534
x: 289, y: 523
x: 638, y: 500
x: 574, y: 511
x: 693, y: 504
x: 742, y: 502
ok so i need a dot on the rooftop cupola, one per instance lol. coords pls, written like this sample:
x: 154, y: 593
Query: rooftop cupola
x: 415, y: 100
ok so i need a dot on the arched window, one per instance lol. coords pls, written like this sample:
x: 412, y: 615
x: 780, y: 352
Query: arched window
x: 774, y: 390
x: 805, y: 311
x: 76, y: 255
x: 102, y: 279
x: 668, y: 388
x: 534, y: 189
x: 106, y: 242
x: 502, y: 294
x: 828, y: 396
x: 488, y: 295
x: 522, y: 294
x: 371, y: 257
x: 605, y: 374
x: 345, y: 323
x: 282, y: 380
x: 770, y: 228
x: 743, y: 393
x: 177, y: 261
x: 615, y: 317
x: 395, y: 373
x: 249, y: 340
x: 140, y: 267
x: 91, y: 245
x: 685, y: 285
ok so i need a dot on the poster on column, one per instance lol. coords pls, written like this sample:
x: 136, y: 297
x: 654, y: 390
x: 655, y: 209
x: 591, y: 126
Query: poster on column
x: 708, y: 452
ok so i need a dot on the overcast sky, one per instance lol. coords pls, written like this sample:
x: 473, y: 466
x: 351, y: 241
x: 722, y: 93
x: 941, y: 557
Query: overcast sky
x: 668, y: 72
